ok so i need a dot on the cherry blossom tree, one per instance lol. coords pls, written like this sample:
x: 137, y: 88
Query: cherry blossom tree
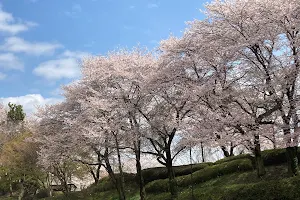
x: 108, y: 93
x: 3, y: 116
x: 166, y: 106
x: 266, y: 37
x: 242, y: 50
x: 52, y: 136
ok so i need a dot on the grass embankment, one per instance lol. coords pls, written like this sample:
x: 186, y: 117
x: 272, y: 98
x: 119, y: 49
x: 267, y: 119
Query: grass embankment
x: 231, y: 178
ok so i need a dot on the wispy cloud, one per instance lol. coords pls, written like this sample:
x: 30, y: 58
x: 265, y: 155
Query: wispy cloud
x: 10, y: 61
x: 152, y: 5
x: 75, y: 54
x: 8, y: 23
x: 57, y: 92
x: 75, y: 10
x: 2, y: 76
x: 132, y: 7
x: 65, y: 66
x: 19, y: 45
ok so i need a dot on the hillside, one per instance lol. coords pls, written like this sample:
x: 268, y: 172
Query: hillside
x: 227, y: 179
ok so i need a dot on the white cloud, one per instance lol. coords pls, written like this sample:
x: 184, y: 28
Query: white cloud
x: 66, y: 66
x: 57, y: 92
x: 30, y: 101
x: 2, y: 76
x: 8, y: 24
x: 152, y: 5
x: 58, y: 69
x: 75, y: 10
x: 75, y: 54
x: 19, y: 45
x: 10, y: 61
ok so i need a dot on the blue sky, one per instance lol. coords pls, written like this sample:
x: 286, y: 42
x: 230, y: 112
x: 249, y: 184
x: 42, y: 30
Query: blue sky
x: 41, y: 41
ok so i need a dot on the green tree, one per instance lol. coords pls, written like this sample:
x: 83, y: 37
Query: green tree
x: 15, y: 113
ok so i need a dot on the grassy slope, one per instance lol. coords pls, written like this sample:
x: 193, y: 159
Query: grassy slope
x: 228, y: 179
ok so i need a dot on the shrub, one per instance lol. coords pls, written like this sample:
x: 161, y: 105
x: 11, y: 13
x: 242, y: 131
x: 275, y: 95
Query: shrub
x: 187, y: 169
x: 216, y: 171
x: 157, y: 186
x: 42, y: 193
x: 106, y: 184
x: 156, y: 173
x: 274, y: 156
x: 238, y: 157
x: 203, y: 175
x: 287, y: 189
x: 270, y: 157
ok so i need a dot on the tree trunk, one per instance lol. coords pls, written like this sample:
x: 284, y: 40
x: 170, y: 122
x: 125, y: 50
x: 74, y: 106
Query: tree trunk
x: 121, y: 177
x: 66, y: 187
x: 21, y: 195
x: 171, y: 174
x: 191, y: 163
x: 139, y: 171
x: 260, y: 167
x: 10, y: 185
x: 231, y: 149
x: 225, y: 152
x: 291, y: 155
x: 137, y: 151
x: 49, y: 182
x: 112, y: 176
x: 202, y: 152
x: 96, y: 175
x: 292, y: 160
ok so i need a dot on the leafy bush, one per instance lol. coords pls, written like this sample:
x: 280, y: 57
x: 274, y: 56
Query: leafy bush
x: 215, y: 171
x: 157, y: 186
x: 106, y: 184
x: 187, y: 169
x: 156, y: 173
x: 202, y: 175
x: 238, y: 157
x: 287, y: 189
x: 274, y: 156
x: 43, y: 193
x: 270, y: 157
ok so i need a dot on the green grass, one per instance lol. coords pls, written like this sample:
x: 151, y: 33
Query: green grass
x: 231, y: 178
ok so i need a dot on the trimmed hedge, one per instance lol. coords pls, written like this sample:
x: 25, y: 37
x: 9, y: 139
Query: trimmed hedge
x: 149, y: 175
x: 106, y: 184
x: 270, y: 157
x: 202, y: 175
x: 274, y: 156
x: 287, y: 189
x: 156, y: 173
x: 231, y: 158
